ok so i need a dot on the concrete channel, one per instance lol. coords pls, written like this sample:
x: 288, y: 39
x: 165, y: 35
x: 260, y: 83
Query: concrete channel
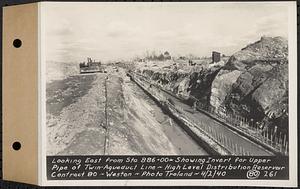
x: 196, y: 131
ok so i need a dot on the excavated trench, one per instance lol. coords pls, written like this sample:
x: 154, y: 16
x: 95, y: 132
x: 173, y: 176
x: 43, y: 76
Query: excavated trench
x: 89, y: 107
x: 248, y: 145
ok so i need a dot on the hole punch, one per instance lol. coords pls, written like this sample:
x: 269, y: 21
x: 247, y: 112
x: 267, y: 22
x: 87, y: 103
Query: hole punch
x: 17, y: 43
x: 16, y: 146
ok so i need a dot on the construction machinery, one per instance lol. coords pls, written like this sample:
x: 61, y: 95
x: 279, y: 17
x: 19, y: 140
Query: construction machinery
x: 91, y: 66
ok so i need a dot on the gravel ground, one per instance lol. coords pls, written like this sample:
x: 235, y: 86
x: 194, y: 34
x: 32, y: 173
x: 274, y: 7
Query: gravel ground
x: 76, y: 123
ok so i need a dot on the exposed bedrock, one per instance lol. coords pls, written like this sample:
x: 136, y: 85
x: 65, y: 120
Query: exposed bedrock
x: 260, y: 92
x: 253, y: 83
x: 185, y: 84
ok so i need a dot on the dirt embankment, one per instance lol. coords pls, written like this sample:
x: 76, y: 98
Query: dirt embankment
x: 253, y: 83
x: 75, y: 119
x: 60, y: 70
x: 138, y: 126
x: 77, y: 123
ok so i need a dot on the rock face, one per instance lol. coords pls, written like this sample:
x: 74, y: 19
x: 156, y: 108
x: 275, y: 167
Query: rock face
x: 222, y: 86
x: 253, y: 83
x: 196, y: 83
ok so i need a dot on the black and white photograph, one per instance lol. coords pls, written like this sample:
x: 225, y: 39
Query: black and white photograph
x: 167, y: 79
x: 196, y: 91
x: 150, y: 93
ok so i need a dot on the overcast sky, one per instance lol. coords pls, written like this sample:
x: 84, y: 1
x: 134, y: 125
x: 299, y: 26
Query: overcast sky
x: 110, y: 31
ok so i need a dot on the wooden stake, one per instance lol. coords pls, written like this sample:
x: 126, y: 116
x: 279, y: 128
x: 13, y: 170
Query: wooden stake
x: 286, y: 147
x: 280, y: 140
x: 223, y: 138
x: 267, y: 134
x: 231, y: 145
x: 271, y: 136
x: 236, y: 147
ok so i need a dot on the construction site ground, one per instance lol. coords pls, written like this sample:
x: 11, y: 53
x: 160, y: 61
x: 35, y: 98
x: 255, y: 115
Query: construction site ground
x: 106, y: 113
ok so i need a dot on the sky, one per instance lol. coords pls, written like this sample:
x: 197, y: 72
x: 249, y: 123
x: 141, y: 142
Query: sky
x: 115, y: 31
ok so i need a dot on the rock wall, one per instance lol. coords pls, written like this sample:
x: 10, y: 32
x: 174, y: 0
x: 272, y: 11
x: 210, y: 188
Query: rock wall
x: 253, y: 82
x: 261, y: 90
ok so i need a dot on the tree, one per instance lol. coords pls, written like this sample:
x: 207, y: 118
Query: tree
x: 161, y: 57
x: 167, y: 55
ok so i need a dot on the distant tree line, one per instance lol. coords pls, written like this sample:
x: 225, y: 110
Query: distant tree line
x: 160, y: 57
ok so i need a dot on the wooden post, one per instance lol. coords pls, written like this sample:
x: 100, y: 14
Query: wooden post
x: 241, y: 121
x: 228, y: 143
x: 234, y: 119
x: 231, y: 145
x: 286, y: 147
x: 271, y: 136
x: 236, y: 147
x: 280, y: 148
x: 223, y: 138
x: 267, y: 134
x: 280, y: 141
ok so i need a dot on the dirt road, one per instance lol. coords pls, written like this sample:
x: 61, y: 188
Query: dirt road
x: 77, y: 123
